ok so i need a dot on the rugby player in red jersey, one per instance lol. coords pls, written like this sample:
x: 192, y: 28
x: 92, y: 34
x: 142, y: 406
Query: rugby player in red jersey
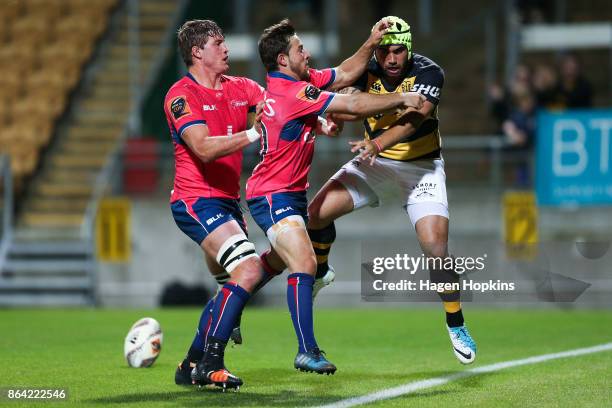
x: 207, y: 116
x: 276, y: 191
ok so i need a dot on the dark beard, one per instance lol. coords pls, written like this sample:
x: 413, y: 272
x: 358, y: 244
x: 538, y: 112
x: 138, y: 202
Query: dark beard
x: 304, y: 76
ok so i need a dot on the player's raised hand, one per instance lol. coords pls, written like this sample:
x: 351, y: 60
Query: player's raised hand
x: 379, y: 30
x: 413, y: 100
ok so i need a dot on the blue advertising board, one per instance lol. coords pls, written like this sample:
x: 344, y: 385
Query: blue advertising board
x: 573, y: 158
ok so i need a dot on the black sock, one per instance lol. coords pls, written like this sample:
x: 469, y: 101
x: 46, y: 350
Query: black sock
x: 322, y: 241
x: 454, y: 319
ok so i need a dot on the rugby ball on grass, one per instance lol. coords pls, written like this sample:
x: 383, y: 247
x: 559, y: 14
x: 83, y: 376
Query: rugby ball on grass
x: 143, y: 343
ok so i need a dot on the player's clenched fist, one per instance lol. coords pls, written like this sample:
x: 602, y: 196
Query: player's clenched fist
x: 413, y: 100
x: 258, y: 113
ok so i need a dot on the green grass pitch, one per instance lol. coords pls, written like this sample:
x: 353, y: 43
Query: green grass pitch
x: 82, y: 351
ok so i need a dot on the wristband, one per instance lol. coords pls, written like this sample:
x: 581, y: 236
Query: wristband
x: 252, y: 135
x: 378, y: 146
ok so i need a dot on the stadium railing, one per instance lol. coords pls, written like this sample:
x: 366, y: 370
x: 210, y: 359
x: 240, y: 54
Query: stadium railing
x: 471, y: 160
x: 6, y: 184
x: 491, y: 143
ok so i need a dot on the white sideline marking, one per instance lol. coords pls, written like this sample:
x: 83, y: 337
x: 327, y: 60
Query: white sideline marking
x: 411, y: 387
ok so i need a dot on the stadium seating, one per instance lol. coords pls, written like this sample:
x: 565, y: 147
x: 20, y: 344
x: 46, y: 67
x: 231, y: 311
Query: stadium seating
x: 58, y: 196
x: 44, y: 46
x: 64, y: 100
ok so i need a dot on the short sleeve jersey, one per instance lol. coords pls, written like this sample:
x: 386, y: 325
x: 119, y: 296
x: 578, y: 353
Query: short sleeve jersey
x: 224, y: 111
x: 422, y: 75
x: 288, y: 125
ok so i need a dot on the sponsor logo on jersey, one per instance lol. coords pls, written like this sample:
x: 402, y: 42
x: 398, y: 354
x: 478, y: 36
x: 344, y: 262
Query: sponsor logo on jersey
x: 237, y: 104
x: 282, y: 210
x: 426, y: 90
x: 310, y: 93
x: 213, y: 219
x: 179, y: 107
x: 209, y: 107
x: 407, y: 84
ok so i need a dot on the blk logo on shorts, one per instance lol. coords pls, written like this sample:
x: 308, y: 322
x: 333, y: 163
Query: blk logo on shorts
x: 282, y: 210
x: 213, y: 219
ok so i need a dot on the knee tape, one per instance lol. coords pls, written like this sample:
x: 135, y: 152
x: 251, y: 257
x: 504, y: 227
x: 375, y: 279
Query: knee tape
x: 234, y: 251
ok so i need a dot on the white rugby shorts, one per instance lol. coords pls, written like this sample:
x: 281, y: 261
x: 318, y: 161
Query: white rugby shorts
x: 422, y: 183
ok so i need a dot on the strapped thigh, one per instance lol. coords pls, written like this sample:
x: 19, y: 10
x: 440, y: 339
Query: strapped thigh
x: 288, y: 223
x: 235, y: 250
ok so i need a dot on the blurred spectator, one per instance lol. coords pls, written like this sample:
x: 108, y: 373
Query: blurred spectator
x: 514, y: 107
x: 519, y: 134
x: 546, y: 89
x: 519, y: 128
x: 501, y: 99
x: 575, y: 89
x: 522, y: 78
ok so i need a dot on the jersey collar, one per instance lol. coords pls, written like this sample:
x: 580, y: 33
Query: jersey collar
x: 192, y: 77
x: 278, y: 74
x: 188, y: 75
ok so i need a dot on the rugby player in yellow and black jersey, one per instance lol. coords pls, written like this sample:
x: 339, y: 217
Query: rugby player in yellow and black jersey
x: 404, y: 147
x: 419, y: 74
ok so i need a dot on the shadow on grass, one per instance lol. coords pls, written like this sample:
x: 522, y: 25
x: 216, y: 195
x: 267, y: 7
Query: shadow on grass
x: 474, y: 381
x: 423, y: 394
x: 215, y: 397
x: 280, y: 385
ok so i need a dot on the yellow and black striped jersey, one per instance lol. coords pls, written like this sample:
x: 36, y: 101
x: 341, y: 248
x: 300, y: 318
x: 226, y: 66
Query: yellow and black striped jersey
x: 423, y: 76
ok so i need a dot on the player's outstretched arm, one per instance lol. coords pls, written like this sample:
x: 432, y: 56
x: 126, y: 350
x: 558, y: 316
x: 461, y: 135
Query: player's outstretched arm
x: 209, y: 148
x: 405, y: 127
x: 353, y: 67
x: 340, y: 118
x: 364, y: 104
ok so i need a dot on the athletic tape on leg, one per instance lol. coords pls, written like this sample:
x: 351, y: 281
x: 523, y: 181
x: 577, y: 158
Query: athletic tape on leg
x: 288, y: 223
x: 235, y: 250
x: 222, y: 278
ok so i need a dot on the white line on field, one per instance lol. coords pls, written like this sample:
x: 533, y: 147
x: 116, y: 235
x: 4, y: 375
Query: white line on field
x: 414, y: 386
